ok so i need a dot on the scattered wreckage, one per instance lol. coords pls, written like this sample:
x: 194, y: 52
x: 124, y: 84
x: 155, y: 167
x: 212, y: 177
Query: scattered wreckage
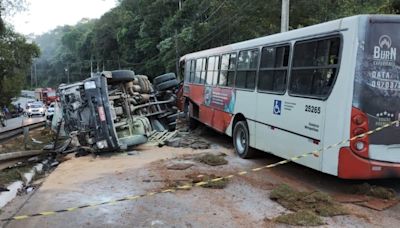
x: 114, y: 110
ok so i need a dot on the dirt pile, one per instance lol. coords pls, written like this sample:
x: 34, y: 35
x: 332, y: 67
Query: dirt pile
x: 307, y: 206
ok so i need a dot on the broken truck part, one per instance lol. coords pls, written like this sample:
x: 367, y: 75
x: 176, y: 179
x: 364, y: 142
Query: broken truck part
x: 117, y: 109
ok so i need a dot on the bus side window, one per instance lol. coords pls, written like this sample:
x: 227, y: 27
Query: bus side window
x: 247, y: 69
x: 315, y: 67
x: 231, y: 70
x: 210, y: 70
x: 223, y: 76
x: 216, y: 71
x: 185, y: 70
x: 273, y: 69
x: 192, y: 70
x: 200, y: 75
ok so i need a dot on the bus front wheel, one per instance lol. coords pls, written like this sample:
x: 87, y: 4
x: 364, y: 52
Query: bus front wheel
x: 241, y: 140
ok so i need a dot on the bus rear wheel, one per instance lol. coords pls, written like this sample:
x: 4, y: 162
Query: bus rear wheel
x: 241, y: 140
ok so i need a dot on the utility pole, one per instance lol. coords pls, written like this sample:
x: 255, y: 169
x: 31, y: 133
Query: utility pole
x: 32, y: 76
x: 180, y: 4
x: 67, y: 71
x: 177, y: 53
x: 285, y: 16
x: 91, y: 68
x: 35, y: 75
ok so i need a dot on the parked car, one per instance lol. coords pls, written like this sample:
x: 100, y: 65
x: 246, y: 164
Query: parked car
x: 50, y: 111
x: 36, y: 108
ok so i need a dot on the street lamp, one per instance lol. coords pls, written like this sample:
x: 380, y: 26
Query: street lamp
x: 67, y: 72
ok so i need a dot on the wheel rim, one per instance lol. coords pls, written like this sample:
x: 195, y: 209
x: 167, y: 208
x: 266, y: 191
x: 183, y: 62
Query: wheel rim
x: 241, y: 141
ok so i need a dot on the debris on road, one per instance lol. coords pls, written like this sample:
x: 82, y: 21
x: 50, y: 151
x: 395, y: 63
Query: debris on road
x: 300, y: 218
x: 316, y: 204
x: 379, y: 204
x: 180, y: 165
x: 220, y: 184
x: 212, y: 159
x: 188, y: 139
x: 374, y: 191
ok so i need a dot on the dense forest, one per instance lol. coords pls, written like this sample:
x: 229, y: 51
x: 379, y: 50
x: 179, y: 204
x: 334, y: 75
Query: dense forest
x: 16, y: 54
x: 149, y: 35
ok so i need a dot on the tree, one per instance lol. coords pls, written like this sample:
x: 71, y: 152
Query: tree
x: 149, y: 36
x: 15, y: 62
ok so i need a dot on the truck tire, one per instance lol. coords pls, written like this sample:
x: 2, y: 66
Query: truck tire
x: 167, y: 85
x: 163, y: 78
x: 122, y: 76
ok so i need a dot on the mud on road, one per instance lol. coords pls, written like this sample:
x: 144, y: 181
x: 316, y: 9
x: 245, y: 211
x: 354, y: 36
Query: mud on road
x: 242, y: 201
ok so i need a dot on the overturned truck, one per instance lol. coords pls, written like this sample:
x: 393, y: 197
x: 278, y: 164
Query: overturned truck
x: 116, y: 109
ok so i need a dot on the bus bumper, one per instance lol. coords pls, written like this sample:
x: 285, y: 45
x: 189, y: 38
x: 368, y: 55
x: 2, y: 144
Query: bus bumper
x: 352, y: 166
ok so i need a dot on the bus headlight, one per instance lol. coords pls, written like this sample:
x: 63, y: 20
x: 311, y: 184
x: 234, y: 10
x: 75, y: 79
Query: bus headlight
x: 360, y: 145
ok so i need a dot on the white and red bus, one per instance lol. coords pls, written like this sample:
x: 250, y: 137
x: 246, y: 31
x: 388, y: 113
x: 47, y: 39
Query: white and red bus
x: 303, y: 90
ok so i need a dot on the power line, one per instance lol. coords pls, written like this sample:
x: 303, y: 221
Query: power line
x: 215, y: 11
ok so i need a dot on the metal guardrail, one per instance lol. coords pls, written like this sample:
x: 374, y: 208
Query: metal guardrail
x: 19, y: 130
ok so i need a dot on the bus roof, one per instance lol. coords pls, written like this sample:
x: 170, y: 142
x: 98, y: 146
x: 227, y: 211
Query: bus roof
x: 309, y: 31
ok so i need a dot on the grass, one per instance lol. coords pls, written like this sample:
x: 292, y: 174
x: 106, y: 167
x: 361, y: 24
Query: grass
x: 212, y: 159
x: 44, y: 135
x: 7, y: 176
x: 374, y: 191
x: 305, y: 203
x: 219, y: 184
x: 300, y: 218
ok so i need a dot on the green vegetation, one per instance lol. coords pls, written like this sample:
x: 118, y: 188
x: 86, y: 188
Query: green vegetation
x: 374, y: 191
x: 7, y: 176
x: 218, y: 184
x: 148, y: 36
x: 306, y: 205
x: 16, y: 54
x: 300, y: 218
x: 212, y: 159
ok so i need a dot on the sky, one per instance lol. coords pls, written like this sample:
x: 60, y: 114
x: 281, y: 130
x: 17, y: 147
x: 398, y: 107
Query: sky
x: 45, y: 15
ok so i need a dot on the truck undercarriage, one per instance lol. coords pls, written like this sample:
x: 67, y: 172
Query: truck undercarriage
x: 117, y: 109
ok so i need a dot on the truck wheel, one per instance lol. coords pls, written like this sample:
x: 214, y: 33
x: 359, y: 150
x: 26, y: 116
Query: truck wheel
x: 167, y: 85
x: 122, y: 76
x: 163, y: 78
x: 241, y: 140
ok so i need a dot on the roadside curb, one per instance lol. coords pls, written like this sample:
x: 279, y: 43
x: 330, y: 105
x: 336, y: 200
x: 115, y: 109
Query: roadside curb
x: 8, y: 196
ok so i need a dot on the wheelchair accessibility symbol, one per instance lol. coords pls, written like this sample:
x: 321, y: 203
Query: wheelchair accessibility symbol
x: 277, y: 107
